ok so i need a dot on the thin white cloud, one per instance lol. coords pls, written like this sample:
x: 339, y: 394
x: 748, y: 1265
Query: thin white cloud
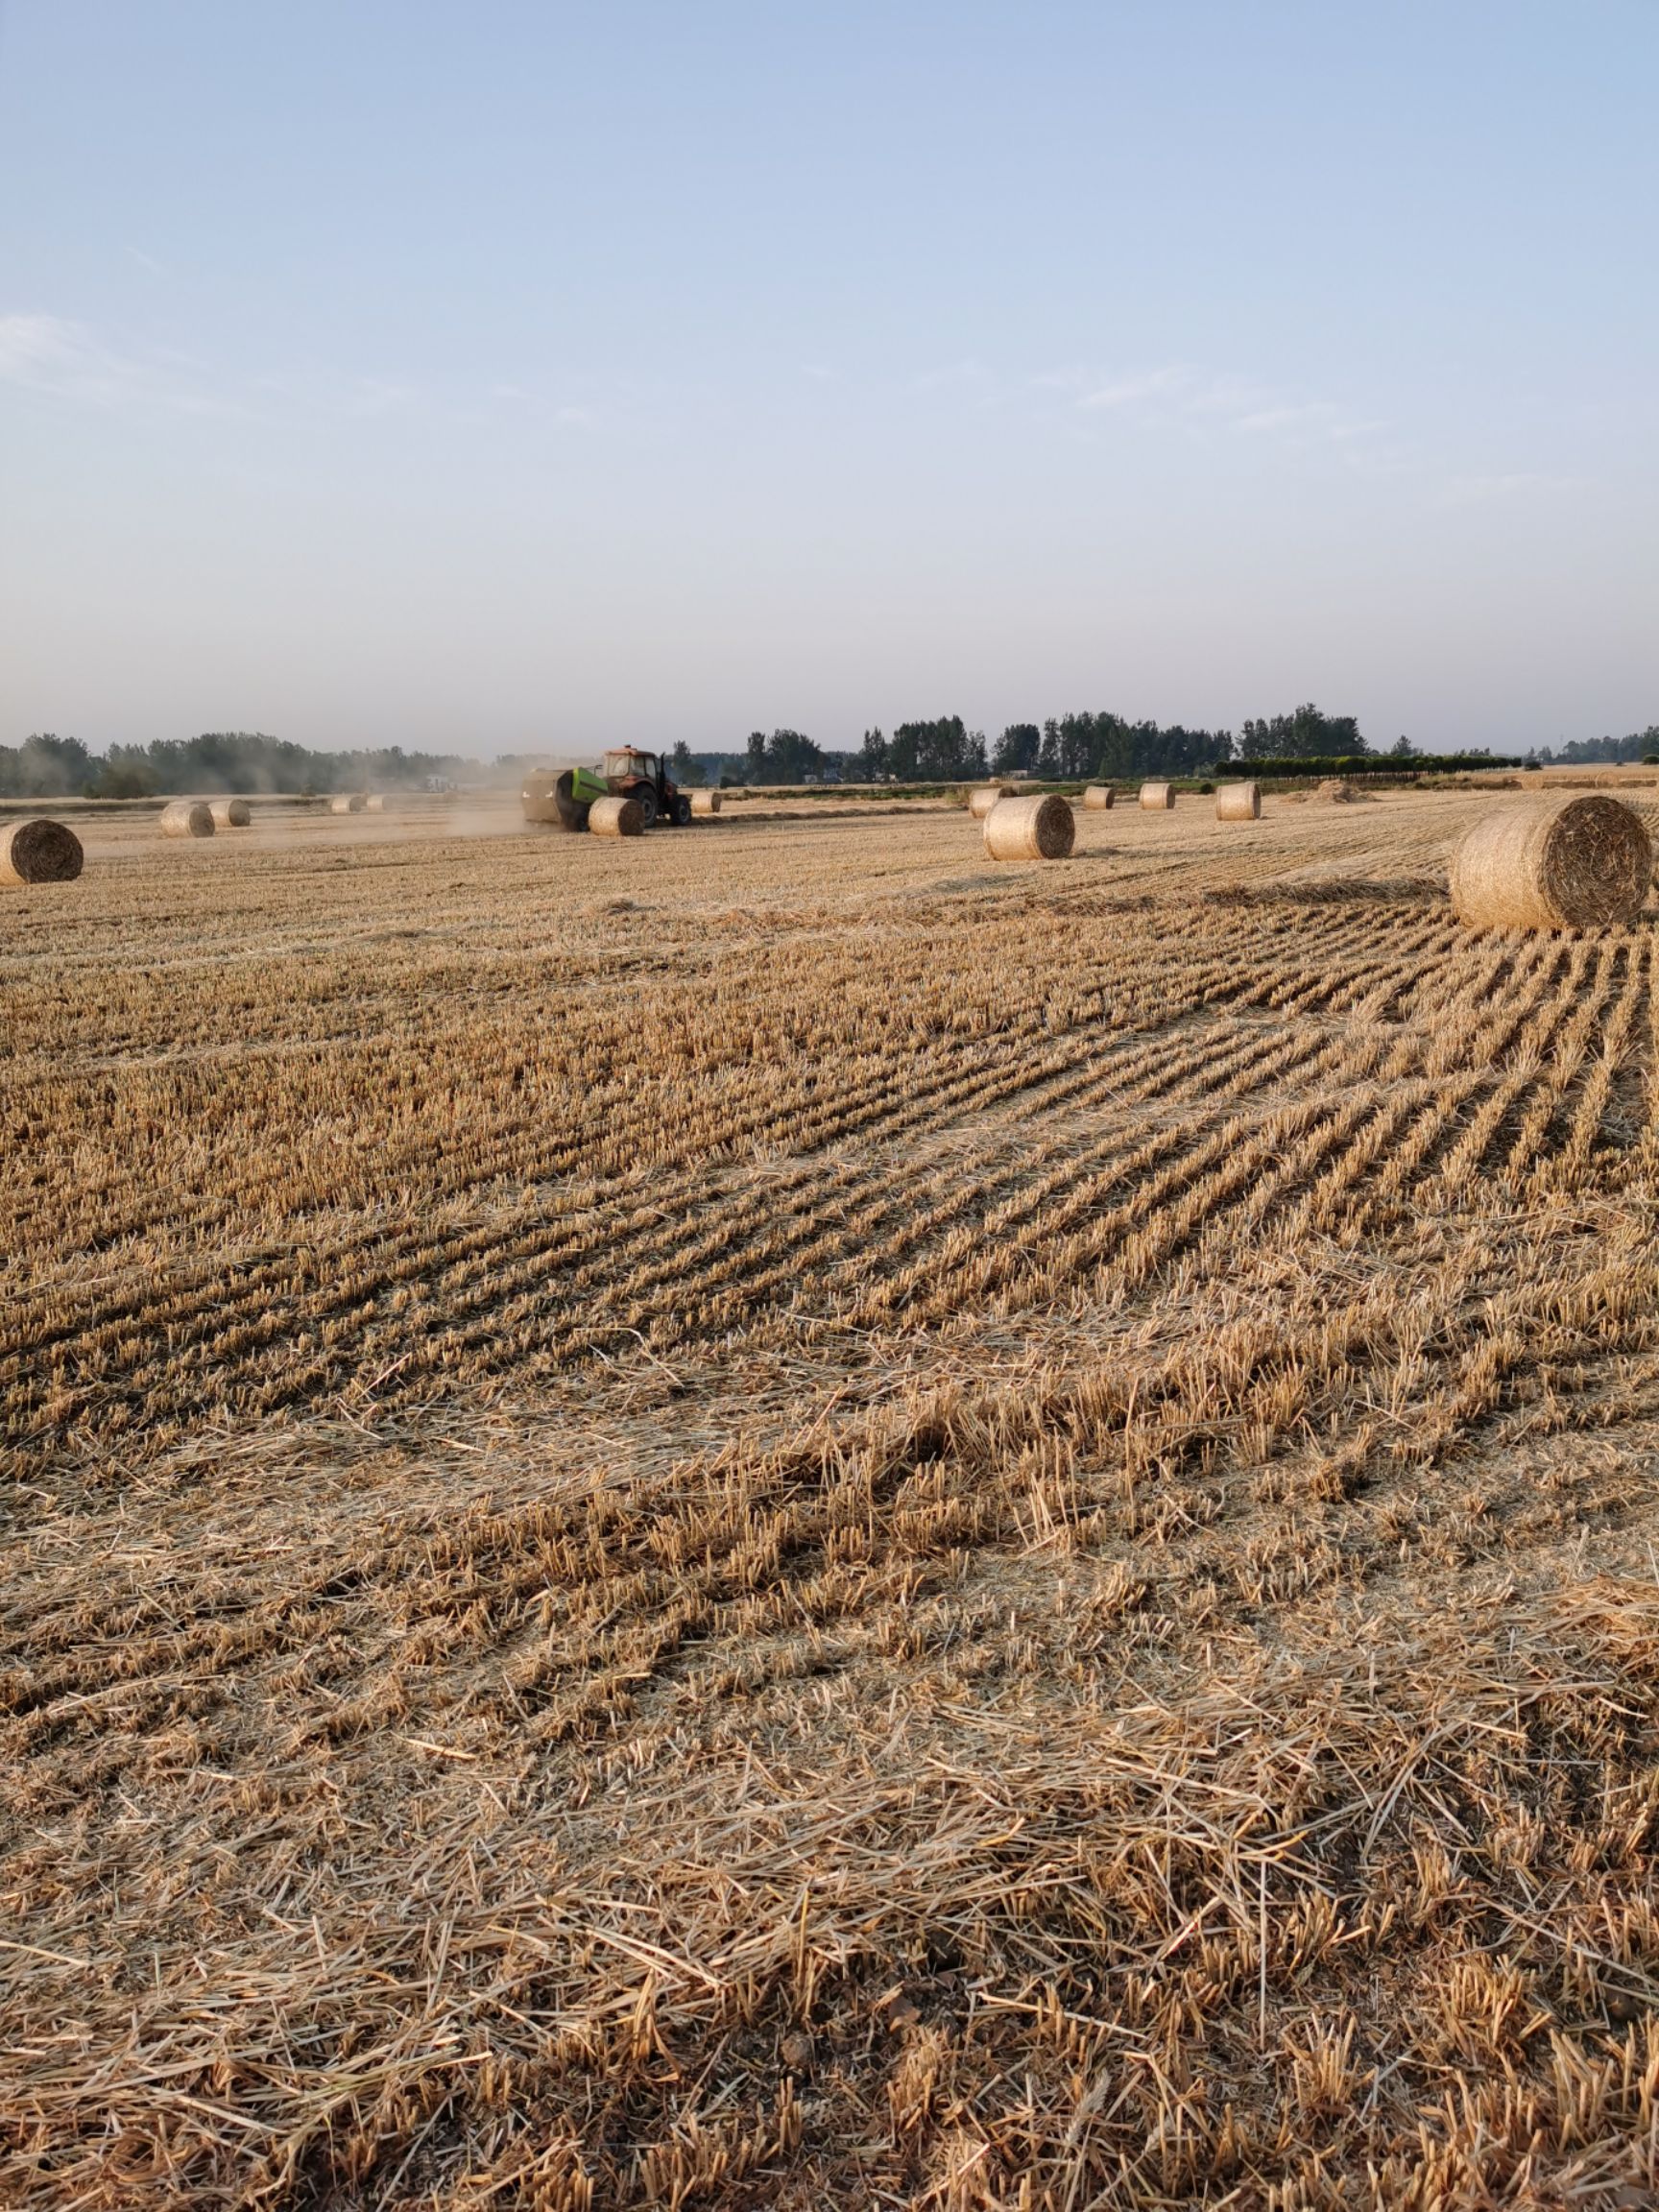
x: 65, y: 361
x: 1516, y: 484
x: 382, y: 395
x: 38, y: 349
x: 146, y: 261
x: 1175, y: 381
x: 1181, y: 395
x: 968, y: 372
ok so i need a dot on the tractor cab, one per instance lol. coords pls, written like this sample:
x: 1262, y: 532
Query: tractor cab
x: 632, y: 774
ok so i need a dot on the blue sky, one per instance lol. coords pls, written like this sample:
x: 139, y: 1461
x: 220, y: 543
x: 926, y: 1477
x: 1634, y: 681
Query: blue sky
x: 495, y: 376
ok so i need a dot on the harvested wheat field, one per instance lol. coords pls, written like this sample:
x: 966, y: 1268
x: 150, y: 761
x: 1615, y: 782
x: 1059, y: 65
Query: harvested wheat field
x: 775, y: 1516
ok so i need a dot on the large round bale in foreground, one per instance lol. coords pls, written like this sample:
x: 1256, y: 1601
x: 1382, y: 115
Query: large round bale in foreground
x: 705, y: 801
x: 231, y: 814
x: 1580, y: 863
x: 1157, y: 798
x: 1035, y: 829
x: 617, y: 817
x: 1238, y: 802
x: 1098, y: 798
x: 187, y: 818
x: 347, y: 802
x: 981, y: 800
x: 38, y: 852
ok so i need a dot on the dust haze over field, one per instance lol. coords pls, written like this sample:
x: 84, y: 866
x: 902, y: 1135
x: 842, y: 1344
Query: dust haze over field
x: 775, y: 1516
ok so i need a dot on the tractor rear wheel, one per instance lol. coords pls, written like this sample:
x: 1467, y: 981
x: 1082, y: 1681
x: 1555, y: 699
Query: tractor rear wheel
x: 647, y: 799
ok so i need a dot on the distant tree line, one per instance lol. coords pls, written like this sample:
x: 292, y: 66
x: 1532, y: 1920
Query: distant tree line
x: 1105, y: 744
x: 935, y: 752
x: 46, y: 766
x: 1062, y: 749
x: 1640, y: 745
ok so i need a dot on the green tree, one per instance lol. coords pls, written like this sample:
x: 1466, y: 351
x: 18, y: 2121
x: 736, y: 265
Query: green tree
x: 46, y: 766
x: 684, y: 766
x: 1016, y: 750
x: 1306, y: 733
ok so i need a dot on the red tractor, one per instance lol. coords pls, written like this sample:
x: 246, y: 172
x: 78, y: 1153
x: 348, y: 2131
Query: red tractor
x: 635, y: 774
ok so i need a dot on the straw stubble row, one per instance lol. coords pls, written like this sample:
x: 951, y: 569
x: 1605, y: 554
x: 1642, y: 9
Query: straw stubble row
x: 755, y: 1588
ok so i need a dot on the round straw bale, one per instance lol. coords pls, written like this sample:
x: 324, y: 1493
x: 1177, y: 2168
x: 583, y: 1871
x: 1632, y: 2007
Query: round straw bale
x: 375, y: 803
x: 705, y: 801
x: 1237, y: 802
x: 38, y: 852
x: 1552, y: 864
x: 1035, y: 829
x: 1157, y: 798
x: 231, y: 814
x: 617, y: 817
x: 982, y: 799
x: 347, y: 802
x: 187, y: 818
x: 1098, y: 797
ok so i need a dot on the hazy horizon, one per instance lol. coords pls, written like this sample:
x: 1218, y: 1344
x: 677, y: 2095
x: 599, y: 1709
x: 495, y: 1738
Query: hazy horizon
x: 519, y: 381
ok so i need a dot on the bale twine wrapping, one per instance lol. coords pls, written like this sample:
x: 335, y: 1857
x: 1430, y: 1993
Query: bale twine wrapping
x: 1098, y: 797
x: 1036, y: 829
x: 981, y: 800
x: 1157, y: 798
x: 347, y: 802
x: 187, y: 818
x: 1552, y: 864
x: 617, y: 817
x: 38, y: 852
x: 1238, y: 802
x: 231, y: 814
x: 705, y: 801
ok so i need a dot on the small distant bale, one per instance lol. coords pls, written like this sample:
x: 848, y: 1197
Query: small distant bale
x: 231, y: 814
x: 187, y: 818
x: 1034, y: 829
x: 1552, y: 864
x: 617, y: 817
x: 1157, y: 798
x: 38, y: 852
x: 1238, y: 802
x: 375, y: 803
x: 705, y: 801
x: 982, y: 799
x: 348, y: 803
x: 1098, y: 798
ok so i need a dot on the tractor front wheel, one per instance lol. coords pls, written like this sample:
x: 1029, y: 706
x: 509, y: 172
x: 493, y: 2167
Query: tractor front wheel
x: 647, y: 799
x: 681, y: 810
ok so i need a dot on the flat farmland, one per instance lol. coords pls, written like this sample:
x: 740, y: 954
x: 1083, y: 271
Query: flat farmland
x: 773, y: 1516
